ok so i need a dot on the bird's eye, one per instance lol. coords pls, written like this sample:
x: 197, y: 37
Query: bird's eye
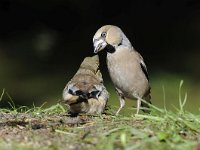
x: 103, y: 34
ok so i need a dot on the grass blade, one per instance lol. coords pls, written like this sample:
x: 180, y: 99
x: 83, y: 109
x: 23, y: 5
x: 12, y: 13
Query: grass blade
x: 2, y: 94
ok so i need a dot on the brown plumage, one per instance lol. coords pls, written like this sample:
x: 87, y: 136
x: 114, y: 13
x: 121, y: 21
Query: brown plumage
x: 125, y: 65
x: 85, y: 92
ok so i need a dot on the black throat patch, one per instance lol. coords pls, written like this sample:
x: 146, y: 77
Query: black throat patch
x: 110, y: 49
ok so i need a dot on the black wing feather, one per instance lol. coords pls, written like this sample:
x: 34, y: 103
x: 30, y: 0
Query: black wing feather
x: 144, y: 69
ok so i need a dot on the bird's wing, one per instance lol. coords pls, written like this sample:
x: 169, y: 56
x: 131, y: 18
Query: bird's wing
x: 144, y: 69
x: 69, y: 95
x: 143, y: 66
x: 95, y: 91
x: 72, y: 89
x: 98, y: 91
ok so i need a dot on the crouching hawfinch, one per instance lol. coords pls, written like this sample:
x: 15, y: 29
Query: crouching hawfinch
x: 85, y: 92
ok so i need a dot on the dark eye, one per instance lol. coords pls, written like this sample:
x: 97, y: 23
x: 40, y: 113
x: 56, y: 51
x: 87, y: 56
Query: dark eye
x: 103, y: 34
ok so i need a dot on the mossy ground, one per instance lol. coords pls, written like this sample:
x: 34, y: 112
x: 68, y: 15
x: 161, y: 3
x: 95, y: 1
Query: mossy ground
x: 51, y: 128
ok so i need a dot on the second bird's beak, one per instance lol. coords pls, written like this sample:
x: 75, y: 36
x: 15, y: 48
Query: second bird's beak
x: 99, y: 45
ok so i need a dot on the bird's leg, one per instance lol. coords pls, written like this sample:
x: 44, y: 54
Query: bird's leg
x: 138, y: 105
x: 122, y: 104
x: 122, y: 101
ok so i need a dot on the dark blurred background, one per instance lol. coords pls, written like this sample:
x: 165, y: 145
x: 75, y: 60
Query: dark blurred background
x: 42, y: 43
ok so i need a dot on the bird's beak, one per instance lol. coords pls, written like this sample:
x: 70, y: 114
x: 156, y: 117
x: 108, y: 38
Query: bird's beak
x: 99, y: 45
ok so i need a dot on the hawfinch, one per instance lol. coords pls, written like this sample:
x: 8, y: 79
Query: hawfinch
x: 85, y: 92
x: 126, y: 66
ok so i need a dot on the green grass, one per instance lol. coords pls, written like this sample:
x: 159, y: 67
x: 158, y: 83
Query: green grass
x: 50, y: 128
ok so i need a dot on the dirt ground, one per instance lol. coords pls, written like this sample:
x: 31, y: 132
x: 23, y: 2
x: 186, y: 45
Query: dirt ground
x: 55, y: 131
x: 41, y: 130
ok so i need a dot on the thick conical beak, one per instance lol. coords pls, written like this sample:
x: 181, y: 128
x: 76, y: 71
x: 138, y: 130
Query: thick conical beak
x: 96, y: 49
x: 99, y: 45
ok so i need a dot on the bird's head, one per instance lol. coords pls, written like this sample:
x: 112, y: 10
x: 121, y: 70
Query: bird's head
x: 109, y: 37
x: 91, y: 63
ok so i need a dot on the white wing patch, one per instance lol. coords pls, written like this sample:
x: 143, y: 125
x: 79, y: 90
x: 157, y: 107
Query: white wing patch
x: 144, y: 68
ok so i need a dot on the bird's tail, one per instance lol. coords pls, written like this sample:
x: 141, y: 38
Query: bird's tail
x: 145, y: 106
